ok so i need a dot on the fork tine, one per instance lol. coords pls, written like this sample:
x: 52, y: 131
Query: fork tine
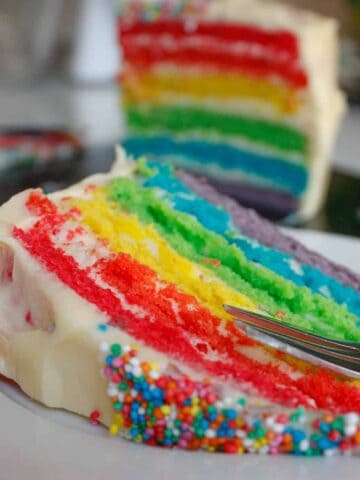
x: 341, y: 356
x: 283, y: 329
x: 274, y: 342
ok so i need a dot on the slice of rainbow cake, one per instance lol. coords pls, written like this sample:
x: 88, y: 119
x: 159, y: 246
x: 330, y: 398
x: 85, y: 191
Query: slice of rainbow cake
x: 243, y: 91
x: 136, y: 265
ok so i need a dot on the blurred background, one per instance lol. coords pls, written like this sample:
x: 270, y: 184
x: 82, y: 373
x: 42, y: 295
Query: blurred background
x: 59, y: 62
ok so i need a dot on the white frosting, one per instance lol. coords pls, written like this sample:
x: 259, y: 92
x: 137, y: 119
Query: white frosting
x: 295, y: 266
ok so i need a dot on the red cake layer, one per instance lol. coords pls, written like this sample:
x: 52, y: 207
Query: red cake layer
x: 157, y: 326
x: 188, y: 332
x: 145, y: 57
x: 282, y: 41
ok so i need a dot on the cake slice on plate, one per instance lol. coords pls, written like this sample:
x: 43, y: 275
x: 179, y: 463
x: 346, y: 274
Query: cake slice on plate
x: 243, y: 91
x: 135, y: 265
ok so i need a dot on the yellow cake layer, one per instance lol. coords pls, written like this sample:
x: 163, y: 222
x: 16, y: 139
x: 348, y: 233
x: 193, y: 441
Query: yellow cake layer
x: 124, y: 233
x: 153, y: 86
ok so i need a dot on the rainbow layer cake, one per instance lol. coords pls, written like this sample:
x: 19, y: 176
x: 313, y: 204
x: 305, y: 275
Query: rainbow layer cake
x: 242, y: 91
x: 112, y: 296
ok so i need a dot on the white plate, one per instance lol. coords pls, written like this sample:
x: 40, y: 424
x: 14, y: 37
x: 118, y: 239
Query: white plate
x: 37, y: 443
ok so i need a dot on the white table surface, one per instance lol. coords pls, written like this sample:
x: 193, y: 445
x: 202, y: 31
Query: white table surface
x: 94, y: 112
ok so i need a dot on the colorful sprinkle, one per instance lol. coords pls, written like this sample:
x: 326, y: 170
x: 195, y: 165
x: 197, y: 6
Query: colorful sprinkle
x: 134, y: 10
x: 175, y: 411
x: 95, y: 417
x: 102, y: 327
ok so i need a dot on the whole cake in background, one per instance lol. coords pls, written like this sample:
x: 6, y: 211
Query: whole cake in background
x: 137, y: 264
x: 242, y: 91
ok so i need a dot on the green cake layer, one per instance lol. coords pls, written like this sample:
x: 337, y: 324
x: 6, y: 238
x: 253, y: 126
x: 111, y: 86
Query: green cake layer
x: 273, y: 292
x: 185, y: 119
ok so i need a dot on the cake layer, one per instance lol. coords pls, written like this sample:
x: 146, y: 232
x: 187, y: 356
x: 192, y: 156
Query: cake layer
x: 281, y: 41
x: 250, y: 224
x: 272, y: 204
x: 185, y: 119
x: 273, y: 292
x: 157, y: 85
x: 146, y: 53
x: 124, y: 233
x: 221, y: 160
x: 184, y: 200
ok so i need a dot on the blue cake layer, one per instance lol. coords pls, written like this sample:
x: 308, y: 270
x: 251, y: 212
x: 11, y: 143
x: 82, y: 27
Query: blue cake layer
x: 274, y: 171
x: 219, y: 221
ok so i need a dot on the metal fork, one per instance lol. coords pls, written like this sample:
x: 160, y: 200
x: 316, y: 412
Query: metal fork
x: 339, y: 356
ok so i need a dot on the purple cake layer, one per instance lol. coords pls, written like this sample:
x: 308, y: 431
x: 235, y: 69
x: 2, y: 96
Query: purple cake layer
x: 272, y: 204
x: 252, y: 225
